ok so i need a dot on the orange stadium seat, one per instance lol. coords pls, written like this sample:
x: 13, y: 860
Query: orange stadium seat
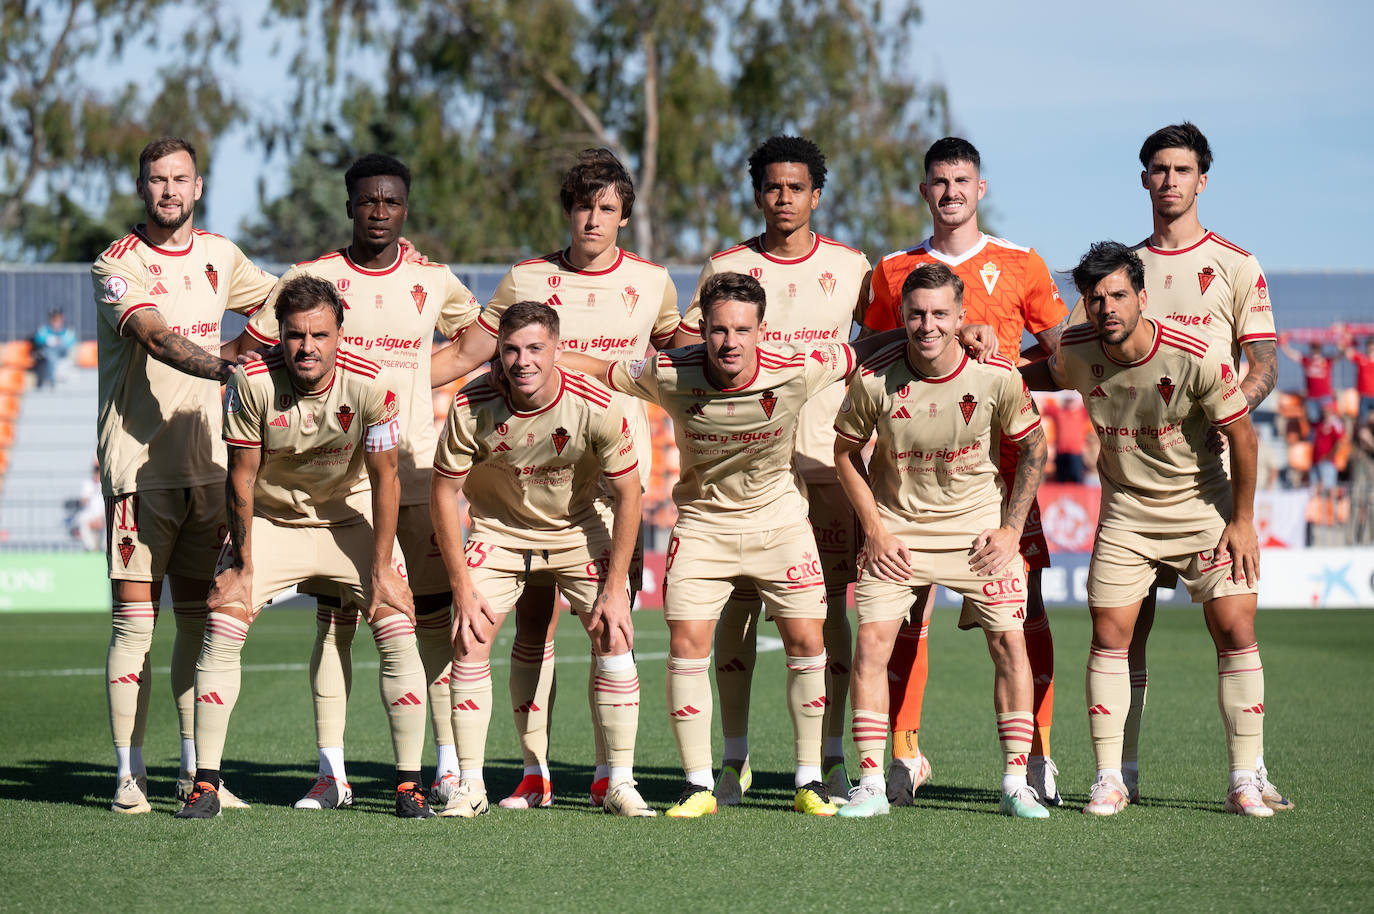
x: 12, y: 380
x: 6, y: 434
x: 9, y: 406
x: 17, y: 354
x: 86, y: 355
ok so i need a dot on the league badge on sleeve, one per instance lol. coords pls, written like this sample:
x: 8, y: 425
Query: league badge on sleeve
x: 115, y: 288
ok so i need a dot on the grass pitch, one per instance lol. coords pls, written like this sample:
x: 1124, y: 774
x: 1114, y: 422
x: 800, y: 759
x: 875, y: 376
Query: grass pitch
x: 64, y: 851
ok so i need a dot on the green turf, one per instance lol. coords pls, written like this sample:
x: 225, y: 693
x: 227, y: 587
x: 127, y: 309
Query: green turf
x: 64, y: 851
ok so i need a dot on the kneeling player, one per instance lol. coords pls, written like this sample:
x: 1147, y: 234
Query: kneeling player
x: 530, y: 447
x: 933, y: 483
x: 1152, y: 393
x: 300, y: 425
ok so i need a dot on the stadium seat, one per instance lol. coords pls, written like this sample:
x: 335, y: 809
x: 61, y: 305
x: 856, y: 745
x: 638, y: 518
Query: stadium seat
x: 6, y: 434
x: 17, y: 354
x: 12, y: 380
x: 87, y: 355
x: 9, y: 406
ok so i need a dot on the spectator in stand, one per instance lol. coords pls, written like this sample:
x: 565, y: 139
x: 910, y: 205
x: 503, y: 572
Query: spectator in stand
x: 1327, y: 437
x: 86, y: 513
x: 1316, y: 371
x: 52, y: 348
x: 1362, y: 483
x: 1070, y: 435
x: 1364, y: 375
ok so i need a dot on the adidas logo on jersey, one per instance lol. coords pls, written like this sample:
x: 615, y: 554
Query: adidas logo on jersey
x: 1098, y: 392
x: 902, y: 414
x: 553, y: 301
x: 502, y: 446
x: 158, y: 289
x: 280, y: 422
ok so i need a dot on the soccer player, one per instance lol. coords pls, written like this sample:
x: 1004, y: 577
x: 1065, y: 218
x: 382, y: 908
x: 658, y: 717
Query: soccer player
x: 1200, y: 283
x: 531, y: 448
x: 611, y: 305
x: 1154, y: 393
x: 393, y: 305
x: 1364, y: 376
x: 161, y: 292
x: 1009, y: 287
x: 741, y: 515
x: 813, y: 285
x: 932, y: 513
x: 303, y: 425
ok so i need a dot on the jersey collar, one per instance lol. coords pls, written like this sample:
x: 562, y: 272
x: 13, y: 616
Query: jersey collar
x: 941, y: 380
x: 1154, y: 347
x: 956, y: 259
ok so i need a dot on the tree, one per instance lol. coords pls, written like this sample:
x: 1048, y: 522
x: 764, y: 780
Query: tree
x: 487, y: 101
x: 70, y: 135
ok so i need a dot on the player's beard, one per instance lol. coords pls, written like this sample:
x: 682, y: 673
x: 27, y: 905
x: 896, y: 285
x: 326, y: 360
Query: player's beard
x: 155, y: 216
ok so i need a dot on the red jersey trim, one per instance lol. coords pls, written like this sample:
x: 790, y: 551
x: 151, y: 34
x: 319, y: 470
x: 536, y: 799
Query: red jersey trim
x: 942, y: 380
x: 1030, y: 428
x: 562, y: 386
x: 838, y: 244
x: 584, y: 388
x: 756, y: 244
x: 323, y: 390
x: 1154, y: 347
x: 138, y: 230
x: 484, y: 325
x: 567, y: 265
x: 343, y: 252
x: 848, y: 437
x: 449, y: 473
x: 1244, y: 410
x: 694, y: 331
x: 259, y: 337
x: 881, y: 359
x: 609, y: 475
x: 637, y: 259
x: 1230, y: 244
x: 241, y: 442
x: 1256, y: 337
x: 758, y: 364
x: 125, y: 316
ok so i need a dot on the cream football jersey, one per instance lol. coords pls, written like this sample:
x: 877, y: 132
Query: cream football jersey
x: 811, y: 302
x: 312, y: 444
x: 390, y: 316
x: 934, y: 466
x: 1152, y: 417
x: 534, y: 478
x: 159, y: 428
x: 735, y: 444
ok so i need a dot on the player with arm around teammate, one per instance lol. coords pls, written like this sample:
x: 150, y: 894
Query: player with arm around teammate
x: 932, y: 513
x: 531, y: 449
x: 302, y: 425
x: 1154, y: 393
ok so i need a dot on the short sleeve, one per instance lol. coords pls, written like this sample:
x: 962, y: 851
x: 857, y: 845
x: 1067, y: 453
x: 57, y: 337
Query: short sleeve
x: 691, y: 318
x: 1016, y: 412
x: 382, y: 416
x: 1041, y: 306
x: 249, y: 285
x: 614, y: 440
x: 1253, y: 313
x: 638, y: 378
x: 504, y: 296
x: 119, y: 292
x: 262, y: 325
x: 826, y: 365
x: 858, y: 413
x: 1217, y: 389
x: 242, y: 412
x: 460, y: 307
x: 457, y: 444
x: 668, y: 320
x: 881, y: 313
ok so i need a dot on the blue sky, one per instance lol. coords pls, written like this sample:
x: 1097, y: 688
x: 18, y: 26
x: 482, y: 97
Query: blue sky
x: 1058, y: 98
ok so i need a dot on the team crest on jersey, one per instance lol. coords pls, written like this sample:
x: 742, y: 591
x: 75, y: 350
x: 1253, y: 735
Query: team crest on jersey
x: 283, y: 402
x: 345, y: 416
x: 560, y: 439
x: 342, y: 284
x: 1227, y: 374
x: 1098, y: 371
x: 934, y: 410
x: 966, y: 406
x: 1204, y: 279
x: 1262, y: 288
x: 554, y: 281
x: 630, y: 297
x: 186, y: 278
x: 904, y: 391
x: 307, y: 421
x: 729, y: 409
x: 768, y: 402
x: 1166, y: 389
x: 989, y: 274
x: 791, y: 290
x: 377, y: 301
x: 126, y: 550
x: 115, y: 287
x: 213, y: 275
x: 1169, y: 281
x: 502, y: 429
x: 827, y: 281
x: 756, y: 272
x: 155, y: 269
x: 591, y: 299
x: 529, y: 439
x: 418, y: 293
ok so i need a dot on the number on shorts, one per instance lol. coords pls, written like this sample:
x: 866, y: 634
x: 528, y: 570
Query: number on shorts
x: 477, y: 553
x: 672, y: 553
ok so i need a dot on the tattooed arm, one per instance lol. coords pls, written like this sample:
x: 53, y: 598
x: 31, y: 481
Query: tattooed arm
x: 169, y: 347
x: 1264, y: 371
x: 994, y: 549
x: 233, y: 588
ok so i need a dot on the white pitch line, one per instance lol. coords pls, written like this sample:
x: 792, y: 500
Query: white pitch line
x: 766, y: 645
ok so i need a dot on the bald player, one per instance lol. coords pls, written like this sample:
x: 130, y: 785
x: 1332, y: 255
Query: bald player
x: 932, y: 511
x: 1154, y: 394
x: 393, y: 305
x: 302, y: 425
x: 611, y: 305
x: 1008, y: 286
x: 536, y: 447
x: 160, y: 293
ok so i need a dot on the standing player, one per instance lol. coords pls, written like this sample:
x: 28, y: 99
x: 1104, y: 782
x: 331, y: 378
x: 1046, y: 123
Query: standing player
x: 1154, y: 393
x: 303, y: 424
x: 1009, y: 287
x: 813, y: 286
x: 536, y: 443
x: 611, y: 305
x: 393, y: 306
x: 1206, y: 286
x: 741, y: 515
x: 161, y: 292
x: 931, y: 484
